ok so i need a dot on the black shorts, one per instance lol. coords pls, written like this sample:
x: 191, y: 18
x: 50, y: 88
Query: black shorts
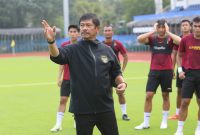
x: 178, y: 80
x: 106, y: 123
x: 159, y: 77
x: 191, y: 84
x: 65, y: 88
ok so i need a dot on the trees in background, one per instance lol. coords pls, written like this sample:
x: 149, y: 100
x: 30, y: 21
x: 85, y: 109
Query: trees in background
x: 29, y: 13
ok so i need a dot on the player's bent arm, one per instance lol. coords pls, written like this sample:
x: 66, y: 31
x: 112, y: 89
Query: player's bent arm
x: 60, y: 75
x: 176, y: 39
x: 60, y: 72
x: 125, y: 61
x: 174, y: 56
x: 180, y: 69
x: 179, y: 58
x: 144, y: 38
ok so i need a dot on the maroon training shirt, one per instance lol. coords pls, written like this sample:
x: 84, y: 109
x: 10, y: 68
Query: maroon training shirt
x: 161, y: 61
x: 190, y: 47
x: 176, y: 47
x: 118, y: 47
x: 66, y: 75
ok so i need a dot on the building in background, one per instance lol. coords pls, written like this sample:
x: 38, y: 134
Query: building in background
x: 180, y: 9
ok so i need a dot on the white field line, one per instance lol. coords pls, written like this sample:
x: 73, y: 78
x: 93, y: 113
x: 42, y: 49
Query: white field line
x: 26, y: 84
x: 53, y: 83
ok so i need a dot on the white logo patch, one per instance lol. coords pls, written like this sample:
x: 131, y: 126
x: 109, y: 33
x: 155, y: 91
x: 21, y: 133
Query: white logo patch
x: 104, y: 59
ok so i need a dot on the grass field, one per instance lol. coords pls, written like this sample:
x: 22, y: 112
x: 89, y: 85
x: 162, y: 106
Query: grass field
x: 29, y: 99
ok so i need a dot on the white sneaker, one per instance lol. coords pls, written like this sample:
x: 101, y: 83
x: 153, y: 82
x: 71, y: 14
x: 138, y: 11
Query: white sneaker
x: 142, y: 126
x: 163, y: 125
x: 56, y: 128
x: 179, y: 133
x: 197, y: 132
x: 74, y: 124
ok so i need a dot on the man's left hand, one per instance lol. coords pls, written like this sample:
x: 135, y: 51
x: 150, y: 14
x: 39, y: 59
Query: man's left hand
x: 121, y: 88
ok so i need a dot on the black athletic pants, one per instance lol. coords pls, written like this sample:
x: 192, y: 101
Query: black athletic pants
x: 105, y: 122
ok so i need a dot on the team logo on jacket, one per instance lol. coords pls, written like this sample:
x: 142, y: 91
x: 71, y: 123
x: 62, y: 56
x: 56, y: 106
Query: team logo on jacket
x: 104, y: 59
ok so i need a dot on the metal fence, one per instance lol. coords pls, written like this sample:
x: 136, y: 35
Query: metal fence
x: 32, y: 40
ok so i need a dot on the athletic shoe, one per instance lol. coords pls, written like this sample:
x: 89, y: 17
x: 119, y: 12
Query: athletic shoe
x: 179, y: 133
x: 125, y: 117
x: 142, y: 126
x: 163, y: 125
x: 197, y: 132
x: 56, y: 128
x: 173, y: 117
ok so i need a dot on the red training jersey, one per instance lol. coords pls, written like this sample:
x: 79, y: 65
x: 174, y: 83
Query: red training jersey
x: 161, y: 59
x: 190, y: 47
x: 66, y: 74
x: 176, y: 47
x: 118, y: 46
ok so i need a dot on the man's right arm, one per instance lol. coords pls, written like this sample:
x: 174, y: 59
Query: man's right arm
x: 49, y: 33
x: 181, y: 52
x: 144, y: 38
x: 59, y: 56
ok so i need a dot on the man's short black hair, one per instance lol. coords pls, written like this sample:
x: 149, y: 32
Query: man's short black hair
x: 73, y: 26
x: 186, y: 20
x: 196, y: 19
x: 161, y: 22
x: 89, y: 16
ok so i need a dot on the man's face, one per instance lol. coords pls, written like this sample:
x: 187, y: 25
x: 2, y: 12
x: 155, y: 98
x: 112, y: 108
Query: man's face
x: 185, y: 27
x: 73, y: 34
x: 196, y: 29
x: 88, y: 29
x: 108, y: 32
x: 161, y: 30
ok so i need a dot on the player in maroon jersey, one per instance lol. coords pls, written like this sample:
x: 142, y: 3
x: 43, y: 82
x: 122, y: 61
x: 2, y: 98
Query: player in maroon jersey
x: 161, y: 42
x: 185, y: 30
x: 117, y: 47
x: 64, y: 80
x: 190, y: 50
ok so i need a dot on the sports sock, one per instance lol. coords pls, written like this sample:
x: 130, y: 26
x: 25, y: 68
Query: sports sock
x: 59, y: 118
x: 123, y: 108
x: 198, y: 125
x: 146, y: 118
x: 165, y: 116
x: 180, y: 126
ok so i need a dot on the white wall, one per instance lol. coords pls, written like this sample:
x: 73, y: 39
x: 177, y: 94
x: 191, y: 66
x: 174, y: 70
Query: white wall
x: 184, y: 3
x: 191, y: 2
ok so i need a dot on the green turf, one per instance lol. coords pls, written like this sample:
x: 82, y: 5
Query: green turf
x: 31, y: 110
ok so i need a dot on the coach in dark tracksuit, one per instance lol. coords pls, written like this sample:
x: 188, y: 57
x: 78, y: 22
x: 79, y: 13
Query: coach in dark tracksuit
x: 92, y: 66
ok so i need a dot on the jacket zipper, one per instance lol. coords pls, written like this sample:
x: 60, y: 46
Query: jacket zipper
x: 95, y: 70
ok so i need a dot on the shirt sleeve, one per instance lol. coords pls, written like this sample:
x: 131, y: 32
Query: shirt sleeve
x: 63, y: 57
x: 122, y: 49
x: 172, y: 44
x: 175, y: 47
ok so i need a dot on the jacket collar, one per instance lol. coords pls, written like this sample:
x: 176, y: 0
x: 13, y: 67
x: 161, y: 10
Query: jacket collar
x: 91, y: 42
